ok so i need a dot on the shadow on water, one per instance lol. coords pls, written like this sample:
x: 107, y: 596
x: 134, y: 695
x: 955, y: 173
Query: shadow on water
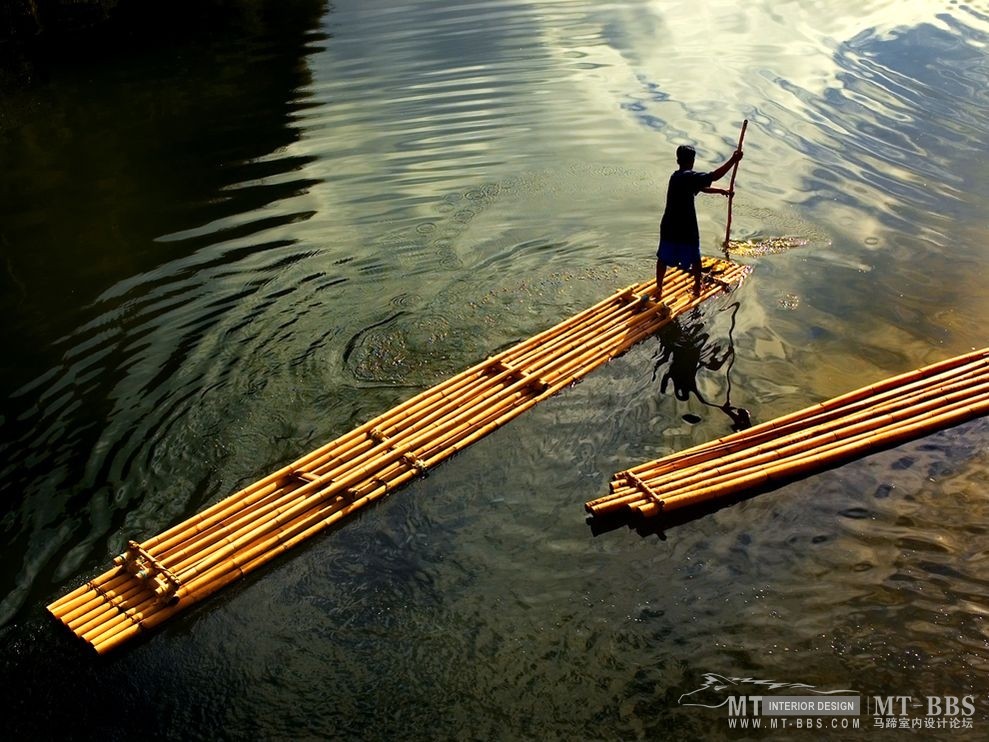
x: 103, y: 158
x: 686, y: 347
x: 106, y: 155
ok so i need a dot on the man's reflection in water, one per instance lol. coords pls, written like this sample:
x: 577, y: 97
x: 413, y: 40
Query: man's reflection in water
x: 686, y: 348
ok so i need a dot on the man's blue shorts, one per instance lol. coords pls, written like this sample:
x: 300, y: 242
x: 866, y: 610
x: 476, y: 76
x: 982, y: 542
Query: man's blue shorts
x: 678, y: 254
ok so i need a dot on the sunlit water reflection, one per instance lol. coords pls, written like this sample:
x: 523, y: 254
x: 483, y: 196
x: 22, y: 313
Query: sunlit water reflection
x: 220, y: 257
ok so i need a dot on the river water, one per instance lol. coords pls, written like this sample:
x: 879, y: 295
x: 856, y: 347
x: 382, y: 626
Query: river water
x: 221, y: 252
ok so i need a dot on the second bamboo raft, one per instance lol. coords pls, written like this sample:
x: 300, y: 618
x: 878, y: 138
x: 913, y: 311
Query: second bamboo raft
x: 874, y: 417
x: 155, y: 579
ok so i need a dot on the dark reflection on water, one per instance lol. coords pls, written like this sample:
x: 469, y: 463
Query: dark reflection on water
x: 218, y: 256
x: 686, y: 347
x: 109, y: 317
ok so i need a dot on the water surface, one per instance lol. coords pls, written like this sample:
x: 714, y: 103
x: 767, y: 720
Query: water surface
x: 220, y: 254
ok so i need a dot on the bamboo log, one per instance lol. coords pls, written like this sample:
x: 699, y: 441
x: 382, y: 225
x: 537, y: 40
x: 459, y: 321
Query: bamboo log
x: 573, y: 344
x: 418, y: 407
x: 841, y: 452
x: 962, y: 367
x: 207, y: 584
x: 881, y: 414
x: 70, y: 598
x: 246, y: 530
x: 357, y: 472
x: 357, y: 433
x: 364, y: 452
x: 732, y: 443
x: 117, y: 585
x: 81, y: 604
x: 110, y: 612
x: 108, y: 637
x: 870, y: 391
x: 180, y: 565
x: 195, y: 590
x: 803, y: 440
x: 858, y: 430
x: 354, y: 475
x: 866, y: 432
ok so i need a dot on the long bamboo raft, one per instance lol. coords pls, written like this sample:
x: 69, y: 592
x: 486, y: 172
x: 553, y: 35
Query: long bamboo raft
x: 824, y: 435
x: 154, y: 580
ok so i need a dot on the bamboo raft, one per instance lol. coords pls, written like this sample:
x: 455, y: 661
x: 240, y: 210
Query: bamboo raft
x: 154, y: 580
x: 855, y: 424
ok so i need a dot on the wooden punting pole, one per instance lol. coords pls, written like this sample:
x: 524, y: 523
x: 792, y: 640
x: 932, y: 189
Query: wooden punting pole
x: 731, y: 186
x: 884, y: 414
x: 161, y: 576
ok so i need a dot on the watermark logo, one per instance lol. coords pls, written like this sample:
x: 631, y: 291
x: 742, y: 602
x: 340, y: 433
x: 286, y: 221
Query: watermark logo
x: 720, y: 690
x: 753, y: 703
x: 921, y: 712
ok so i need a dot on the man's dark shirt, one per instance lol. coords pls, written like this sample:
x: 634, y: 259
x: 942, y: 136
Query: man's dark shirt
x: 679, y: 223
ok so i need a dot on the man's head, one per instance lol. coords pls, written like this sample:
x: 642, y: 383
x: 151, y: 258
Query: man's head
x: 685, y: 155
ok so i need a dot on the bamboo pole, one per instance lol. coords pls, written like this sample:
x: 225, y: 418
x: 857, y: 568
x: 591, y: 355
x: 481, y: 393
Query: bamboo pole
x: 804, y: 439
x: 854, y: 430
x: 536, y: 341
x: 296, y: 493
x: 731, y: 184
x: 353, y: 472
x: 105, y: 610
x: 95, y: 598
x: 872, y: 390
x: 361, y: 430
x: 573, y: 344
x: 222, y: 575
x: 356, y: 474
x: 840, y: 452
x: 207, y: 584
x: 70, y: 598
x: 832, y: 409
x: 422, y: 404
x: 247, y: 529
x: 716, y: 476
x: 221, y: 527
x: 628, y: 496
x: 823, y: 411
x: 353, y: 476
x: 922, y: 400
x: 196, y: 591
x: 79, y: 604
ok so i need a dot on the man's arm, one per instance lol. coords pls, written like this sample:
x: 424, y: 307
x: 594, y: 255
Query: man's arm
x: 720, y: 172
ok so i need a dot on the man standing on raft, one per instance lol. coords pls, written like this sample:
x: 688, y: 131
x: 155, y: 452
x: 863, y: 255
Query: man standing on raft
x: 679, y: 238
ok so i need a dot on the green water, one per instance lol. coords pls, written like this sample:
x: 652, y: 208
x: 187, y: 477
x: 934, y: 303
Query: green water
x: 220, y: 252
